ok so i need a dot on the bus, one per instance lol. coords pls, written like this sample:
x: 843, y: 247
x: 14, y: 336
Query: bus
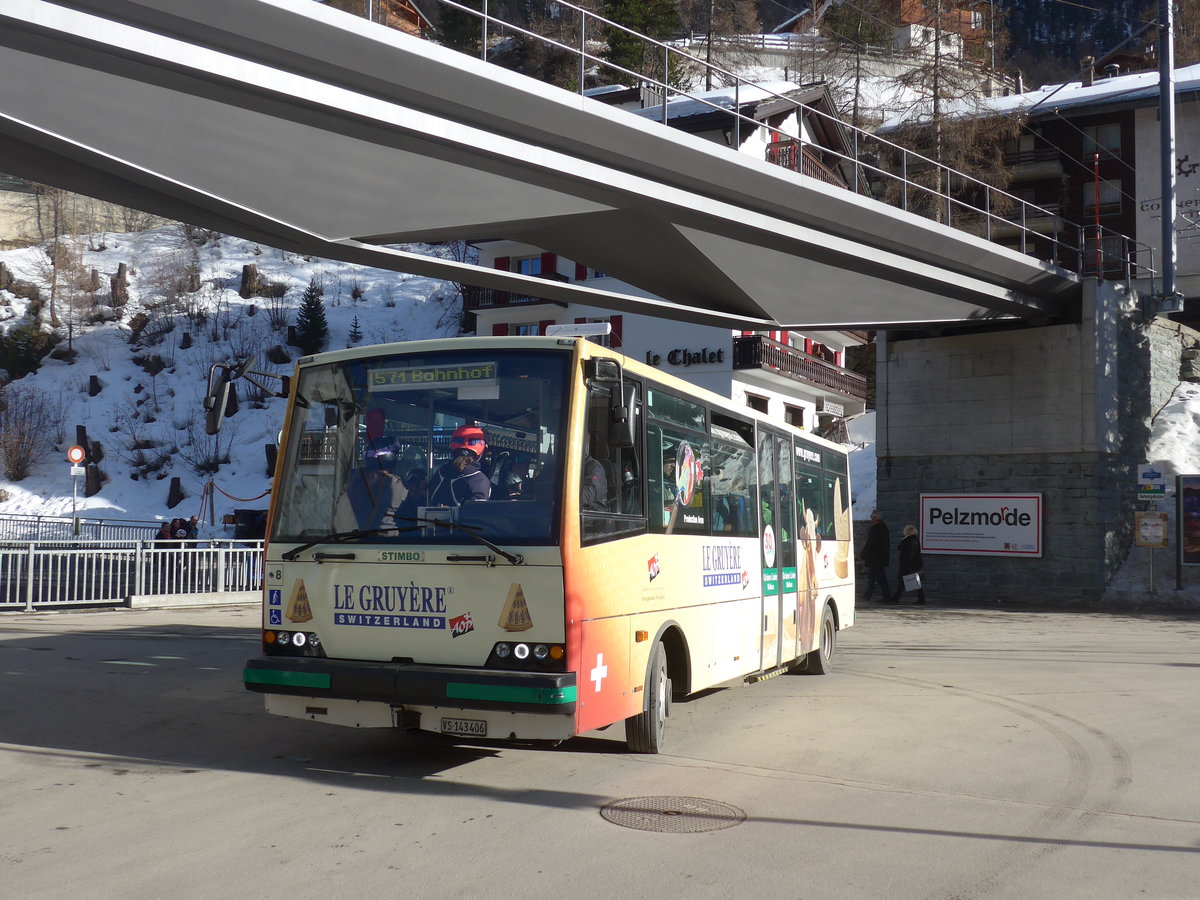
x: 612, y: 538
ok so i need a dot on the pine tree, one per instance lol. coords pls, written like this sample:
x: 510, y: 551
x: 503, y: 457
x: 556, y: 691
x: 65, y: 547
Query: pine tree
x: 355, y: 332
x: 658, y: 19
x: 459, y: 29
x: 311, y: 326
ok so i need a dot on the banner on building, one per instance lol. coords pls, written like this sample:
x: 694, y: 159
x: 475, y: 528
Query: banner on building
x: 1187, y: 517
x: 982, y: 524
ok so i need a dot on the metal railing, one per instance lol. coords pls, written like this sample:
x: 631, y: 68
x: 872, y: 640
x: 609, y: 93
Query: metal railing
x: 51, y: 528
x: 49, y: 574
x: 882, y: 170
x: 758, y: 352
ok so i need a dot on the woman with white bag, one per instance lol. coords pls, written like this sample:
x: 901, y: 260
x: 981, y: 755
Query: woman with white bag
x: 911, y: 565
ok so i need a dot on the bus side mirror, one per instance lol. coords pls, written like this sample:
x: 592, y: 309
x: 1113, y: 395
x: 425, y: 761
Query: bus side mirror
x: 216, y: 398
x: 216, y: 404
x: 603, y: 371
x: 623, y: 408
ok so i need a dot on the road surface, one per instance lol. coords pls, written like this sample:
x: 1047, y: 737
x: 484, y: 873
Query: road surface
x: 953, y: 753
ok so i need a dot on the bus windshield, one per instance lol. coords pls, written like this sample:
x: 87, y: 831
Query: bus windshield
x: 370, y: 448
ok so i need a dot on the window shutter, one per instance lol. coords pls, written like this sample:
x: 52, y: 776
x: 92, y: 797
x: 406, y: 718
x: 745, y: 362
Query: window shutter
x: 615, y: 338
x: 580, y: 272
x: 499, y: 330
x: 550, y: 264
x: 808, y: 346
x: 579, y: 320
x: 542, y: 325
x: 502, y: 262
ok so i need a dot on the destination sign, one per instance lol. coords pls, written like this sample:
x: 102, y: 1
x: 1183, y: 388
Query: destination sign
x: 412, y: 378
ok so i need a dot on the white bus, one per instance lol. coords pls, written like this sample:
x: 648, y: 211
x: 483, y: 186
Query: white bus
x: 611, y: 537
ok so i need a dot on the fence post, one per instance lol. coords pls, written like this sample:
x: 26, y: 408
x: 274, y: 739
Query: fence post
x: 582, y: 49
x: 220, y: 585
x: 29, y: 580
x: 139, y: 568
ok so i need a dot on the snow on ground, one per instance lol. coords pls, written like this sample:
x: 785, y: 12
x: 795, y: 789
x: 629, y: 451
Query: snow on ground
x: 393, y: 306
x: 223, y: 327
x: 862, y: 466
x: 1174, y: 450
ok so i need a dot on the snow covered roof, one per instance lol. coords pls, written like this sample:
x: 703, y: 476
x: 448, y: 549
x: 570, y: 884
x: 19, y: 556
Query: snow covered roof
x: 720, y: 98
x: 1138, y: 89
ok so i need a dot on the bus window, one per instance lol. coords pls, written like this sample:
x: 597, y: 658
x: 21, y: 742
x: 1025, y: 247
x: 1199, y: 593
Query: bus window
x: 810, y: 498
x: 786, y: 533
x: 677, y: 481
x: 616, y: 510
x: 770, y: 520
x: 368, y: 431
x: 732, y: 478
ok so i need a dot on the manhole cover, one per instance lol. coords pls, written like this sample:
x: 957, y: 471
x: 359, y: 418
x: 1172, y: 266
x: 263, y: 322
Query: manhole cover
x: 676, y: 815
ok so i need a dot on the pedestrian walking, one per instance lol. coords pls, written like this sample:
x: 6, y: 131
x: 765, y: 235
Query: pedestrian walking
x: 910, y: 566
x: 875, y: 555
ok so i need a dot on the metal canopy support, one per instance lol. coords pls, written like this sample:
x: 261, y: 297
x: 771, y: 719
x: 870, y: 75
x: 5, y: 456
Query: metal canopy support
x: 310, y: 130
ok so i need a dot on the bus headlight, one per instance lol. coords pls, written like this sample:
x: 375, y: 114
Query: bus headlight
x: 527, y: 656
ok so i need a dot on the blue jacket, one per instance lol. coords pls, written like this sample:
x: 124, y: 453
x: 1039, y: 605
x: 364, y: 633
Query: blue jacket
x: 450, y: 487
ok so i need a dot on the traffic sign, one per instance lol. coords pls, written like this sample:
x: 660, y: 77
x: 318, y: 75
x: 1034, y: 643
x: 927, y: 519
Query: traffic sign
x: 76, y: 454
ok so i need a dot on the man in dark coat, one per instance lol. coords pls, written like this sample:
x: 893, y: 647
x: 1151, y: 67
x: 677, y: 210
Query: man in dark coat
x: 911, y: 563
x: 460, y: 480
x: 875, y: 557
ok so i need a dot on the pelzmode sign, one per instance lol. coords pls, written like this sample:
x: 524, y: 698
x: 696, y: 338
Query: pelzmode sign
x: 982, y: 524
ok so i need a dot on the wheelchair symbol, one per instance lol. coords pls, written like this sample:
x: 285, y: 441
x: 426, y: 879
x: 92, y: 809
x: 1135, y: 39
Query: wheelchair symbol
x: 276, y: 617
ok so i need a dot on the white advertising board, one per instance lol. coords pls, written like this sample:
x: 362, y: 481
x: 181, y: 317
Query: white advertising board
x: 982, y: 524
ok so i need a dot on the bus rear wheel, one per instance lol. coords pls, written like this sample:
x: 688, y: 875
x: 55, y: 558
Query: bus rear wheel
x: 820, y: 661
x: 644, y: 732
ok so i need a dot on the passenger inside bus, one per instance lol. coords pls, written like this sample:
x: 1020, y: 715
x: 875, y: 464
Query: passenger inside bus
x: 593, y: 487
x: 372, y: 492
x: 460, y: 480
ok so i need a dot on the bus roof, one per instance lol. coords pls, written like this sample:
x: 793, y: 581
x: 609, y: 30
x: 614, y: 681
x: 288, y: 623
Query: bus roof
x: 581, y: 347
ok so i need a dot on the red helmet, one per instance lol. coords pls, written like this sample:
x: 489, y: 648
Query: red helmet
x: 468, y: 437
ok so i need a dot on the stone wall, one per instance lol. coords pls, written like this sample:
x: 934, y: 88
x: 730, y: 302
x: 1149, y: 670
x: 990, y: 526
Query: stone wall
x: 1062, y: 410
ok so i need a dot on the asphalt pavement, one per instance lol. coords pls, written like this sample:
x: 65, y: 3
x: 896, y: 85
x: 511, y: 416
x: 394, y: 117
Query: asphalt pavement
x: 966, y: 752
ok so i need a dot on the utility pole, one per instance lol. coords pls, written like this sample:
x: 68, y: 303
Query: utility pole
x: 1171, y: 301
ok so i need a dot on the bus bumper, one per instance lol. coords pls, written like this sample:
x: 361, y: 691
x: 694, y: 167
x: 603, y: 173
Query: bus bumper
x: 409, y: 686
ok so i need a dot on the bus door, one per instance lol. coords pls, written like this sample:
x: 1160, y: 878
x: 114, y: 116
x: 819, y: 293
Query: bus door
x: 778, y: 546
x: 811, y: 518
x: 786, y: 540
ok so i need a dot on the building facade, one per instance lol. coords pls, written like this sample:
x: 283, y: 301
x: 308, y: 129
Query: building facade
x: 797, y: 378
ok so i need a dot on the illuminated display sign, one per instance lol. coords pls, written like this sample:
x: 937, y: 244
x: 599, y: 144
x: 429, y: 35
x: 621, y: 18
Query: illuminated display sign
x: 412, y: 378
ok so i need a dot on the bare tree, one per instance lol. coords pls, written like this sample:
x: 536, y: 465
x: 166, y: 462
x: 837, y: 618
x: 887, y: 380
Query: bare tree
x: 28, y: 422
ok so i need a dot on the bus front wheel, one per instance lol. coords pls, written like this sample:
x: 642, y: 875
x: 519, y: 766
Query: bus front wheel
x: 644, y: 732
x: 820, y: 661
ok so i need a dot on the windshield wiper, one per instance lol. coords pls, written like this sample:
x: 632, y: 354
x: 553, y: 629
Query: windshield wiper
x: 469, y: 530
x: 342, y: 536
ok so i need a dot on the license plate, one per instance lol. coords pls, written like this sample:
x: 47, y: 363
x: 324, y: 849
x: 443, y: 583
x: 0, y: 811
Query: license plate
x: 465, y: 727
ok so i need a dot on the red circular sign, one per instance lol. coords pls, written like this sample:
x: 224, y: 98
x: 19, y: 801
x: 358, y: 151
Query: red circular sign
x: 76, y: 454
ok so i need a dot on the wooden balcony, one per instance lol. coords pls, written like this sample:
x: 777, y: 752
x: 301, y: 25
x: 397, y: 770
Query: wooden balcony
x: 758, y: 352
x: 792, y: 155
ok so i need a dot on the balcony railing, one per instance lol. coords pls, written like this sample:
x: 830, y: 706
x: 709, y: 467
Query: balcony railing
x: 482, y: 298
x: 1030, y: 157
x: 758, y: 352
x: 789, y: 155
